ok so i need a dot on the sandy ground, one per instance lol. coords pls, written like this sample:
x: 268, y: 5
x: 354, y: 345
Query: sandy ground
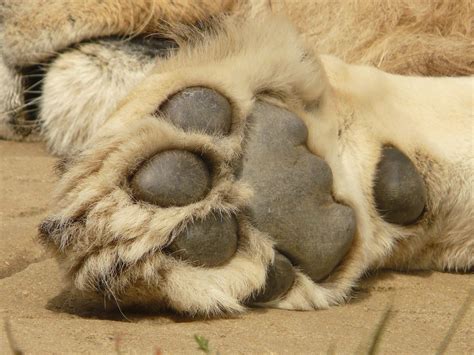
x: 44, y: 318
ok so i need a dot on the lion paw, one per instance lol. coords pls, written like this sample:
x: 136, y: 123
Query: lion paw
x: 216, y: 206
x: 199, y: 193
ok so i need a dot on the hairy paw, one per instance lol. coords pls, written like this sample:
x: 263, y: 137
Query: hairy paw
x: 195, y: 191
x: 199, y: 193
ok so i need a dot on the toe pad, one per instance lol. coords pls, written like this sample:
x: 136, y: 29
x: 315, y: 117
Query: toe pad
x: 399, y: 190
x: 172, y: 178
x: 210, y: 242
x: 280, y: 278
x: 199, y: 109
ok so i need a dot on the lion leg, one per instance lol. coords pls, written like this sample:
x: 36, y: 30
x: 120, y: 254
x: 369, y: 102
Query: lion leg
x: 75, y: 107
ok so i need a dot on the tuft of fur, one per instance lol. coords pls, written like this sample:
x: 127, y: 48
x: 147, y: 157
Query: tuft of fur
x: 75, y: 105
x: 14, y: 123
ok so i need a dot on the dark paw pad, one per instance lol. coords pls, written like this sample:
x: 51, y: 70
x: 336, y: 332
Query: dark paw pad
x: 399, y: 190
x: 172, y: 178
x: 293, y: 200
x: 210, y: 242
x: 280, y: 278
x: 199, y: 109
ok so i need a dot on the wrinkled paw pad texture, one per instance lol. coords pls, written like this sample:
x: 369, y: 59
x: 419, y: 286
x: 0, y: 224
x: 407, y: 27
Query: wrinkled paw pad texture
x: 293, y: 202
x: 172, y: 178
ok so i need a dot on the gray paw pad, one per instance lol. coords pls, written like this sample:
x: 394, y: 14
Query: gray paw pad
x: 399, y: 190
x: 293, y: 201
x: 280, y: 278
x: 199, y: 109
x: 172, y: 178
x: 210, y: 242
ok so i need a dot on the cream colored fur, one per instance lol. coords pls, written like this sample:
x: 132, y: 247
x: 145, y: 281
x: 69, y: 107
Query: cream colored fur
x: 108, y: 242
x: 430, y: 120
x: 93, y: 87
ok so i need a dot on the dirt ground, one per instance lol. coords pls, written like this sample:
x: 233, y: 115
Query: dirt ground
x: 38, y: 316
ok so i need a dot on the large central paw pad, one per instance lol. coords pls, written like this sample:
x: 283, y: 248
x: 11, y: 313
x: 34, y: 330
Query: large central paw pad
x: 293, y: 200
x: 292, y: 190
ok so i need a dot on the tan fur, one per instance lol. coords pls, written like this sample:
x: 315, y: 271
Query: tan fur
x: 432, y: 37
x: 72, y: 21
x: 109, y: 243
